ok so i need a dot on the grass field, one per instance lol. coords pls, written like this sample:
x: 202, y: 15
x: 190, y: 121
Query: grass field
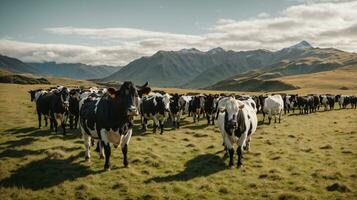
x: 297, y: 159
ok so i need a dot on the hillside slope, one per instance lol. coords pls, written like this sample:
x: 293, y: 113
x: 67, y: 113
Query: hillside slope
x: 315, y: 60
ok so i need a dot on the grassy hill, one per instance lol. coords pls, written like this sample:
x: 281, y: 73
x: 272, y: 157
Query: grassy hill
x: 302, y: 158
x: 315, y: 62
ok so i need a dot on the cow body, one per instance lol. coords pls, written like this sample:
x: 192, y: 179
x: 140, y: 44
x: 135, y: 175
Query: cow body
x: 176, y: 109
x: 157, y: 108
x: 53, y: 105
x: 237, y: 121
x: 110, y: 119
x: 273, y: 106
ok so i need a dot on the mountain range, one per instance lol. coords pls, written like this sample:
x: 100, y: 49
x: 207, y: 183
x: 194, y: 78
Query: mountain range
x: 192, y: 68
x: 219, y: 69
x: 69, y: 70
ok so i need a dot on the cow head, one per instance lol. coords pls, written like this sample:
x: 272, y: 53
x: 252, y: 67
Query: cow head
x: 127, y: 97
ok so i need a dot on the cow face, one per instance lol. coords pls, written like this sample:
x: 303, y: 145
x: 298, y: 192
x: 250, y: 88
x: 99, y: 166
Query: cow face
x: 127, y: 97
x: 230, y: 125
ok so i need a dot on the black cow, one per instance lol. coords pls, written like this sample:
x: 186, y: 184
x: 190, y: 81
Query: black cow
x: 157, y: 108
x: 210, y: 108
x: 303, y: 103
x: 176, y: 109
x: 73, y: 110
x: 353, y: 100
x: 53, y: 105
x: 111, y: 119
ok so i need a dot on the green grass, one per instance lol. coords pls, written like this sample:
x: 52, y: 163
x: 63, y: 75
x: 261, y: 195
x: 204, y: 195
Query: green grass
x: 297, y: 159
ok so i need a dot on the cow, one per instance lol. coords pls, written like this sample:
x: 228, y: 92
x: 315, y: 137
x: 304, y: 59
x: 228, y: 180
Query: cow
x: 54, y: 105
x: 353, y: 100
x: 185, y: 103
x: 110, y: 119
x: 176, y: 109
x: 196, y: 107
x: 210, y: 108
x: 290, y: 102
x: 157, y: 108
x: 73, y: 109
x: 343, y: 100
x: 237, y: 121
x: 303, y: 103
x: 273, y: 105
x: 34, y: 95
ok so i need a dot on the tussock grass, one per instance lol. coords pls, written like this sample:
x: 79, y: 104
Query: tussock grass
x: 304, y: 157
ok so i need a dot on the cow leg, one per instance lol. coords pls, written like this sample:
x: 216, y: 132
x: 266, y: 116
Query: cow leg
x: 208, y: 119
x: 156, y: 122
x: 87, y: 141
x: 71, y: 121
x: 161, y: 123
x: 53, y: 121
x: 241, y: 143
x: 240, y: 156
x: 194, y: 117
x: 231, y: 154
x: 124, y: 147
x: 107, y: 151
x: 279, y: 116
x: 145, y: 121
x: 46, y: 122
x: 39, y: 119
x: 76, y: 121
x: 263, y: 116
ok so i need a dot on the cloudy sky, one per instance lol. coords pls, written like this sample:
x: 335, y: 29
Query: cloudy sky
x: 115, y: 32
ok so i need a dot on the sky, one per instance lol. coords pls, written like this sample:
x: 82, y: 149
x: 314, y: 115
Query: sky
x: 115, y: 32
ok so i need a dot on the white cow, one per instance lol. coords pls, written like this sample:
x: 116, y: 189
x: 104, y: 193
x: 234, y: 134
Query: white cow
x: 273, y: 105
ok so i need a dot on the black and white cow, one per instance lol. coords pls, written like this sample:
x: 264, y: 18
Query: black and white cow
x: 237, y: 121
x: 157, y: 108
x: 110, y: 119
x: 210, y: 108
x: 176, y: 109
x: 54, y: 105
x: 196, y: 107
x: 290, y: 103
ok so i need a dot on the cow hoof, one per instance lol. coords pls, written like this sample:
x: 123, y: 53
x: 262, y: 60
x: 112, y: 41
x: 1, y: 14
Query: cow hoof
x: 87, y: 159
x: 107, y: 168
x: 240, y: 165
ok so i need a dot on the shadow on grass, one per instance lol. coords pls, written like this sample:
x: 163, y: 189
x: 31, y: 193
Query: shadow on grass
x: 197, y: 126
x: 46, y: 173
x: 12, y: 153
x: 20, y: 130
x: 16, y: 143
x: 202, y: 165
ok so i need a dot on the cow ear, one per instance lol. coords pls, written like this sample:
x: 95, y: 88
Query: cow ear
x: 143, y: 86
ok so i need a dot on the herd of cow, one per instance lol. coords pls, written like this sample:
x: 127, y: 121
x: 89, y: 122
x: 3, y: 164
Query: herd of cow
x: 107, y: 115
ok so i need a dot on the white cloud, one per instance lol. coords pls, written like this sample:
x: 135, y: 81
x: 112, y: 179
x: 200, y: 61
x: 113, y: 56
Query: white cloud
x: 323, y: 24
x: 263, y: 15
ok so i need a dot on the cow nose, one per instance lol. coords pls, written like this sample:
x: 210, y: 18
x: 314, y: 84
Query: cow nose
x: 132, y: 111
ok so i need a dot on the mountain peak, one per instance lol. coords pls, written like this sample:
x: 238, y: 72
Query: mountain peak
x: 191, y: 50
x: 216, y: 50
x: 301, y: 45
